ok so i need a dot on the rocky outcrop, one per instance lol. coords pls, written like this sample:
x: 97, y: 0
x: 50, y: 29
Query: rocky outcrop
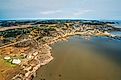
x: 33, y: 62
x: 37, y: 43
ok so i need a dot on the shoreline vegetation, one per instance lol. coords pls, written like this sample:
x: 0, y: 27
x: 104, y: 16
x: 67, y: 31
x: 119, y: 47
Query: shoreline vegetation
x: 27, y: 45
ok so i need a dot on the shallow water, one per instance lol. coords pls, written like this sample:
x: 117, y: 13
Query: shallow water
x: 117, y: 33
x: 81, y: 59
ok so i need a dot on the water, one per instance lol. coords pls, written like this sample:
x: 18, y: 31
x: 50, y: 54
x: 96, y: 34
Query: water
x: 78, y: 59
x: 117, y: 23
x: 117, y: 33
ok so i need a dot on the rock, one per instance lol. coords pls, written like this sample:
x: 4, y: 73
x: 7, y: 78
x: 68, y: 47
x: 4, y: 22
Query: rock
x: 16, y: 61
x: 59, y: 75
x: 113, y: 35
x: 106, y: 33
x: 28, y: 73
x: 7, y: 57
x: 29, y: 56
x: 35, y: 53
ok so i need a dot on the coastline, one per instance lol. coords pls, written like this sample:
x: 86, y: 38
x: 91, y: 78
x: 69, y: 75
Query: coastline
x: 46, y: 57
x: 35, y: 46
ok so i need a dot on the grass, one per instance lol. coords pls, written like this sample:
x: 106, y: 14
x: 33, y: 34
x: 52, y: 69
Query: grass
x: 7, y: 70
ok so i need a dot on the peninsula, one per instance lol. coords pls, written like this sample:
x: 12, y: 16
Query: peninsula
x: 25, y: 45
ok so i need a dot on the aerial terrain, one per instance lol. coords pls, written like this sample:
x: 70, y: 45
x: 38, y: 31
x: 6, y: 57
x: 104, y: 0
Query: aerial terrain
x: 25, y: 45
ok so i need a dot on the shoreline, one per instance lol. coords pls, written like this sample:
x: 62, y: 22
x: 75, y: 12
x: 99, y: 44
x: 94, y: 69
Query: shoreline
x: 46, y: 57
x: 35, y: 46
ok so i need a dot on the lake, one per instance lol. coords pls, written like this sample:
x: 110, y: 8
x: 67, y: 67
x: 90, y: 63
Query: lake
x: 95, y: 58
